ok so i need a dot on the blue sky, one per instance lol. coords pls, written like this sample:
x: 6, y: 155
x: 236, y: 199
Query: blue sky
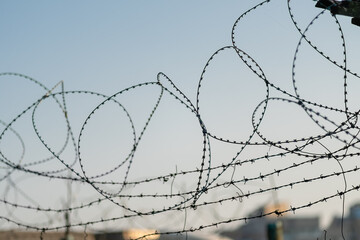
x: 106, y: 47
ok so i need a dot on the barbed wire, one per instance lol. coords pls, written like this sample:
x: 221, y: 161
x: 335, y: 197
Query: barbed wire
x: 210, y: 176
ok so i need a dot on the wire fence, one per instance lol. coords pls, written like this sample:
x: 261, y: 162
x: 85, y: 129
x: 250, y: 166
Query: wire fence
x: 319, y: 167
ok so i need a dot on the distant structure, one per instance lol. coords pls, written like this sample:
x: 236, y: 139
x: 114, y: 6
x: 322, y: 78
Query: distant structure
x: 109, y: 235
x: 298, y: 228
x: 351, y: 225
x: 293, y: 228
x: 127, y: 235
x: 133, y: 234
x: 31, y: 235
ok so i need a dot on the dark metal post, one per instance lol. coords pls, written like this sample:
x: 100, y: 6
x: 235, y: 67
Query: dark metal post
x: 275, y: 231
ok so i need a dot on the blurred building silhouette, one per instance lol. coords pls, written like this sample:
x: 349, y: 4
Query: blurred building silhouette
x: 126, y: 235
x: 298, y: 228
x: 29, y: 235
x: 293, y: 228
x: 119, y: 235
x: 351, y: 225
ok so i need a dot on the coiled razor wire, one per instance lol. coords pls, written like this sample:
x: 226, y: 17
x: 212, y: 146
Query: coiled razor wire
x: 209, y: 178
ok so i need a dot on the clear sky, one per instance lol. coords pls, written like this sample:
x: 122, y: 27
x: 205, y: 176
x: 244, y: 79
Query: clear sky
x: 106, y: 46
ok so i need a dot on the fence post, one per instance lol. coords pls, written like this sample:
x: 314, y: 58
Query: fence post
x: 275, y: 231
